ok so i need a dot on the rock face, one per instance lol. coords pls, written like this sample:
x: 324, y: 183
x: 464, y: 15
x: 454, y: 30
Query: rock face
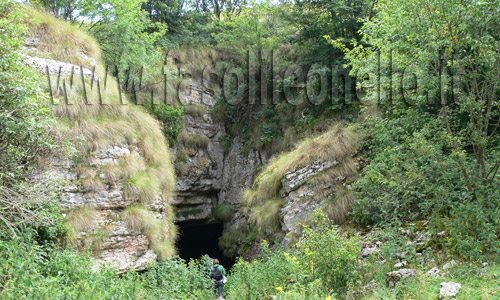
x: 112, y: 241
x: 303, y: 197
x: 110, y: 175
x: 197, y: 189
x: 294, y: 180
x: 239, y: 173
x: 212, y: 175
x: 55, y: 67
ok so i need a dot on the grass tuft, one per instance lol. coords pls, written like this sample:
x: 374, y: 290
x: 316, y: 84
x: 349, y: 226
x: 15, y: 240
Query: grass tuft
x: 194, y: 141
x: 224, y: 211
x: 266, y: 216
x: 339, y: 205
x: 161, y: 234
x: 196, y: 110
x: 91, y: 184
x: 142, y: 187
x: 164, y: 249
x: 78, y: 220
x: 60, y: 40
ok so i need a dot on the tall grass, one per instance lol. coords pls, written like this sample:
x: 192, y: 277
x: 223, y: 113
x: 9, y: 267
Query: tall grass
x: 60, y: 40
x: 139, y: 218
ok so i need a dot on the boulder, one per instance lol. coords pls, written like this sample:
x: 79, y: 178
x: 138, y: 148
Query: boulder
x: 449, y: 290
x: 434, y: 272
x: 395, y: 276
x: 369, y: 251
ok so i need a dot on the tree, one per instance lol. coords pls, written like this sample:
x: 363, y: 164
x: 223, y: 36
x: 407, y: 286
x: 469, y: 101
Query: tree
x: 218, y: 7
x: 339, y: 19
x: 126, y: 34
x: 66, y: 9
x: 256, y: 28
x: 452, y: 48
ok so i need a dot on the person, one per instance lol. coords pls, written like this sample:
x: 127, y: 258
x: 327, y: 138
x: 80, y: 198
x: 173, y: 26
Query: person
x: 208, y: 263
x: 218, y: 273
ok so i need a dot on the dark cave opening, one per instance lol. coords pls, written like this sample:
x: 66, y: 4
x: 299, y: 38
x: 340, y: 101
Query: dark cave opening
x: 195, y: 240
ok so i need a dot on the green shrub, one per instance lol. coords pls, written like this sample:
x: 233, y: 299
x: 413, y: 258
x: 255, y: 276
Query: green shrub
x: 30, y: 271
x: 474, y: 228
x: 179, y: 280
x: 223, y: 211
x: 25, y: 133
x: 331, y: 256
x: 409, y: 175
x: 412, y: 175
x: 172, y: 118
x: 323, y: 265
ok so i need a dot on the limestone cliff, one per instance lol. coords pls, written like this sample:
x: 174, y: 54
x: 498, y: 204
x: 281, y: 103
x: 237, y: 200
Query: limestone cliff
x: 315, y: 175
x: 122, y: 192
x: 120, y: 178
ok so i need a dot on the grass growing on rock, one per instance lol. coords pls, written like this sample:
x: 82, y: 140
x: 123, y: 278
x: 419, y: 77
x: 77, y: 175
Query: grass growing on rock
x: 141, y: 187
x: 91, y: 184
x: 339, y: 205
x: 60, y: 40
x: 196, y: 110
x: 79, y: 220
x: 263, y: 202
x: 193, y: 140
x: 223, y: 211
x: 161, y: 235
x: 337, y: 143
x: 266, y: 216
x: 98, y: 117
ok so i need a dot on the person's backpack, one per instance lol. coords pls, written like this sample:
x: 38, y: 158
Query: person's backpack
x: 217, y: 274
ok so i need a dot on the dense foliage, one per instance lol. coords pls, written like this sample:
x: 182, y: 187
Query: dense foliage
x: 33, y: 271
x: 172, y: 118
x: 26, y: 136
x: 24, y: 112
x: 435, y: 146
x: 428, y: 115
x: 314, y: 270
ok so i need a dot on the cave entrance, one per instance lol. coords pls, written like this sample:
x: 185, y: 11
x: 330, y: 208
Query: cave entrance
x: 195, y: 240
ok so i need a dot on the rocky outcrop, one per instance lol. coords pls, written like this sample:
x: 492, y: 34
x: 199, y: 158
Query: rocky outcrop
x: 295, y: 179
x: 395, y: 276
x: 212, y: 175
x: 303, y: 194
x: 197, y: 188
x: 119, y: 174
x: 112, y: 241
x: 55, y: 67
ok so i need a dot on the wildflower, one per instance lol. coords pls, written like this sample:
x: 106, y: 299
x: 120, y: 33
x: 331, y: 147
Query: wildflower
x: 329, y: 298
x: 279, y: 289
